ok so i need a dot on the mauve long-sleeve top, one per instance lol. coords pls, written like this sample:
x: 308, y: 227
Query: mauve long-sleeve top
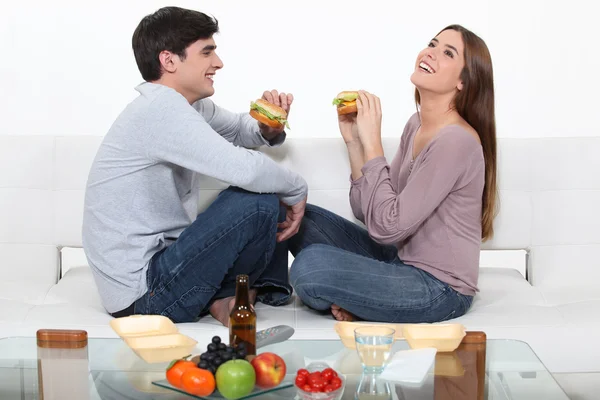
x: 429, y: 207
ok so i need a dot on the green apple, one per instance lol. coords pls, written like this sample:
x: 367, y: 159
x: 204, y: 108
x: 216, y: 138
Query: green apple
x: 235, y: 379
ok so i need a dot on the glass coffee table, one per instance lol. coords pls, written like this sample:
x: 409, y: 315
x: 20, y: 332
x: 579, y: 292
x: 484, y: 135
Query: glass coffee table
x: 108, y: 369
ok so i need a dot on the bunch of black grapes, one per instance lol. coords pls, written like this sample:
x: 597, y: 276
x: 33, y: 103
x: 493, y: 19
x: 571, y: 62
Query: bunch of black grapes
x: 218, y: 353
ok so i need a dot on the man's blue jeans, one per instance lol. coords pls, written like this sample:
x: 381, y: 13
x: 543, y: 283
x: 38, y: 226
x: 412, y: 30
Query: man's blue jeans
x: 235, y: 235
x: 336, y: 262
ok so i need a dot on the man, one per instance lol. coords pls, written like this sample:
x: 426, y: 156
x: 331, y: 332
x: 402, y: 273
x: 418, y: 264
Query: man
x: 148, y: 249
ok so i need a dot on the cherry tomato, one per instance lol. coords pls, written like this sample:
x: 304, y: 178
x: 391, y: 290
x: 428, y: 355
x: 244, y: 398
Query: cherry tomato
x: 308, y: 388
x: 313, y: 377
x: 318, y: 383
x: 336, y: 382
x: 303, y: 372
x: 327, y: 374
x: 329, y: 388
x: 300, y: 380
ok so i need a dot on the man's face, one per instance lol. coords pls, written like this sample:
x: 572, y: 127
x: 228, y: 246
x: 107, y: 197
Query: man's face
x: 194, y: 75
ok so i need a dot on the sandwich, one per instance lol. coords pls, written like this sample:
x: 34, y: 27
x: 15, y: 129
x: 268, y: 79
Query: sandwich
x: 346, y: 102
x: 269, y: 114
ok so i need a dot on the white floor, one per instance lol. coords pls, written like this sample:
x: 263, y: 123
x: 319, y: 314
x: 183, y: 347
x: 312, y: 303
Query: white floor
x: 580, y: 386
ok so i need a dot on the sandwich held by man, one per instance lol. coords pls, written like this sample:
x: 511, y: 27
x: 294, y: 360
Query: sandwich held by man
x: 269, y: 114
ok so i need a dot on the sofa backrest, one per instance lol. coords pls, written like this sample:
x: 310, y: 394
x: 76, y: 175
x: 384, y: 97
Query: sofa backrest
x: 549, y: 192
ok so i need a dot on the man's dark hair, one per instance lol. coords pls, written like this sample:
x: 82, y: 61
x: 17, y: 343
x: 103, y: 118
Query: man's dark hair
x: 172, y: 29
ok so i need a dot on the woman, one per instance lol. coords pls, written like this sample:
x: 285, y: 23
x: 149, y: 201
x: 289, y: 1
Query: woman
x: 426, y: 213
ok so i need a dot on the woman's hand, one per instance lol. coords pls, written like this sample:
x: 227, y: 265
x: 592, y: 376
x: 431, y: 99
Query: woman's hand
x: 368, y: 122
x: 348, y: 128
x: 349, y: 131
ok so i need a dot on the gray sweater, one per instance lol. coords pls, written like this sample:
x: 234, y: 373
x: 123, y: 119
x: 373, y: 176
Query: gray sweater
x: 142, y: 189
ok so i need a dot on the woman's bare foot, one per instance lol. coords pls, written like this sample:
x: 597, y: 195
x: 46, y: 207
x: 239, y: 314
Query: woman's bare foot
x: 340, y: 314
x: 221, y: 308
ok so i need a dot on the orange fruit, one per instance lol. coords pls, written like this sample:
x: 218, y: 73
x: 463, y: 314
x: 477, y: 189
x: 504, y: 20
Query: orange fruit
x: 197, y: 381
x: 176, y: 369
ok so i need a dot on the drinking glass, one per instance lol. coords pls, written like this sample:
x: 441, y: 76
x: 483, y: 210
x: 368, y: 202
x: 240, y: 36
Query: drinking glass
x: 374, y: 346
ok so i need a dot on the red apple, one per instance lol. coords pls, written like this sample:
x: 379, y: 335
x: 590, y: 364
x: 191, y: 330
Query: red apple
x: 269, y: 368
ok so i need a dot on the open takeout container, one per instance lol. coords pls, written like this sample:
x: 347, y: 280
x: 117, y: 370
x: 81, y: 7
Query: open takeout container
x: 154, y: 338
x: 443, y: 337
x: 346, y: 329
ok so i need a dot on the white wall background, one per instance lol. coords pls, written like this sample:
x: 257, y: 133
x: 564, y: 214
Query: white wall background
x: 68, y: 68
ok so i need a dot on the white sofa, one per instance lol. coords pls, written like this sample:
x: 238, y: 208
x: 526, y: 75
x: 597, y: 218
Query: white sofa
x: 550, y: 189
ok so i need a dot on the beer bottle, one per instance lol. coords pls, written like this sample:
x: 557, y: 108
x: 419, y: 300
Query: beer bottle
x: 242, y: 319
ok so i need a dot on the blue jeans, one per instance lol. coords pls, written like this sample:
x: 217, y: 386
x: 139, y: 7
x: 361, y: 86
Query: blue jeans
x: 235, y: 235
x: 336, y: 262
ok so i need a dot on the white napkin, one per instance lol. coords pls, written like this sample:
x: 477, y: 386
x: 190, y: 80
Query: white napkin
x: 409, y: 366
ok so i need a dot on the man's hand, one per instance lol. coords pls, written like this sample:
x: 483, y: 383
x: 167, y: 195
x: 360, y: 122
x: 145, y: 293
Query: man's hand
x: 293, y: 218
x: 282, y: 100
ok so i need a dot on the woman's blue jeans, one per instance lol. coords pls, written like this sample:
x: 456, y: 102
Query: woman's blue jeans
x: 336, y: 262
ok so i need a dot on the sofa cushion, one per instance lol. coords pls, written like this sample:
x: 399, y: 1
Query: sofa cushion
x: 498, y: 286
x: 582, y: 315
x: 571, y: 294
x: 76, y: 287
x: 31, y: 263
x: 25, y: 292
x: 12, y: 311
x: 67, y: 314
x: 566, y: 267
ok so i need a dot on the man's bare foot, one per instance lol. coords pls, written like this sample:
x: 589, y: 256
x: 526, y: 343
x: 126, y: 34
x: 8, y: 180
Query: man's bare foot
x: 221, y: 309
x: 340, y: 314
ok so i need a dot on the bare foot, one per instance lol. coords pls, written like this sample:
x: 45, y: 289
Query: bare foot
x: 221, y: 308
x: 340, y: 314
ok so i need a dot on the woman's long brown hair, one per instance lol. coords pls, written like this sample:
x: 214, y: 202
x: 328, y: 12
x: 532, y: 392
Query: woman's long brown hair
x: 475, y: 104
